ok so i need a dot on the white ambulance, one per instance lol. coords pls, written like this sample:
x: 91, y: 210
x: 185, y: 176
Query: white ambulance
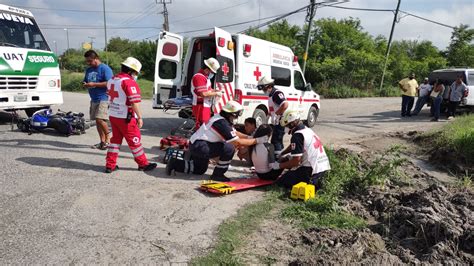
x: 29, y: 71
x: 244, y: 60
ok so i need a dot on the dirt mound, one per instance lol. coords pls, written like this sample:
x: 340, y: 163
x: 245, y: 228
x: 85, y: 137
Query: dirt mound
x: 339, y: 246
x: 431, y: 225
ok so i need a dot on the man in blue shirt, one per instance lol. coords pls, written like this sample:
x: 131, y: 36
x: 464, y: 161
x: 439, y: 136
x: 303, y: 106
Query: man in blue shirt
x: 95, y: 80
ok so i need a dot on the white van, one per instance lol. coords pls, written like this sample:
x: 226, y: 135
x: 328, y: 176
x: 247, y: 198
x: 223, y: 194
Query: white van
x: 29, y: 71
x: 448, y: 76
x: 243, y: 61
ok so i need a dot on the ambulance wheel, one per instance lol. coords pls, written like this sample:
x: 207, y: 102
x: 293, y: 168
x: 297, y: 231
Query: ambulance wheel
x: 312, y: 116
x: 260, y: 117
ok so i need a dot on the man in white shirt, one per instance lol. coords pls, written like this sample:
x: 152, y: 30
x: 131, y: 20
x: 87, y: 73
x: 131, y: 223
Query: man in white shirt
x: 423, y: 96
x: 263, y: 154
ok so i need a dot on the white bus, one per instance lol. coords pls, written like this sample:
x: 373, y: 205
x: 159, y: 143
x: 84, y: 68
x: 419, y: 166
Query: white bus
x: 29, y: 71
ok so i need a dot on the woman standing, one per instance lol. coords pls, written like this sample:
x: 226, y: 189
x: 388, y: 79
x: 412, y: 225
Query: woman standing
x: 437, y: 98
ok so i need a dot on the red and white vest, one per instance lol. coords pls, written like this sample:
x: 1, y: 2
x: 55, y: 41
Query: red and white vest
x: 206, y: 101
x: 314, y: 154
x: 117, y: 104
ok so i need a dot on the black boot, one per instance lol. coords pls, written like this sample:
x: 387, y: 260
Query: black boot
x: 171, y: 165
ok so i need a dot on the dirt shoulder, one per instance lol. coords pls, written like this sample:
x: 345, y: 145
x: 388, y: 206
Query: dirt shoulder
x: 424, y: 217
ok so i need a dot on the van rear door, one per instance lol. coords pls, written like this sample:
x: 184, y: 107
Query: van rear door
x: 168, y: 67
x: 224, y: 80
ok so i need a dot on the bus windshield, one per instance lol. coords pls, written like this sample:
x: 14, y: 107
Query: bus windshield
x: 17, y: 30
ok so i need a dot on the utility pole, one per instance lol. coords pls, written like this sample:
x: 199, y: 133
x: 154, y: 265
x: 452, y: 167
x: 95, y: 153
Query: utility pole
x: 92, y: 42
x: 55, y: 48
x: 309, y: 19
x: 387, y: 52
x: 166, y: 25
x: 105, y: 34
x: 67, y: 38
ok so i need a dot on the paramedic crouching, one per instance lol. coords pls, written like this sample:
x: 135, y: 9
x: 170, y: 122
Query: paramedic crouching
x: 214, y: 139
x: 277, y: 105
x: 307, y: 159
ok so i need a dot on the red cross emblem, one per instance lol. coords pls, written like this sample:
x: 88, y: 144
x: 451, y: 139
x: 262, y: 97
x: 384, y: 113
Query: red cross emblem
x: 225, y: 69
x: 301, y: 99
x: 317, y: 144
x: 257, y: 73
x: 112, y: 93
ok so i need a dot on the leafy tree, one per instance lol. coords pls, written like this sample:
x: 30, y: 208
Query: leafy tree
x: 145, y: 52
x: 460, y: 51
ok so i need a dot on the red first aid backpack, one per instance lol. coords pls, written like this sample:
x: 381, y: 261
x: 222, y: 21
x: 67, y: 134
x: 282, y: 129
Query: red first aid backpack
x: 174, y: 142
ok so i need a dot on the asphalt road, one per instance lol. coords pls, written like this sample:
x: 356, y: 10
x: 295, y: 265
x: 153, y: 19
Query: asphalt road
x: 57, y: 206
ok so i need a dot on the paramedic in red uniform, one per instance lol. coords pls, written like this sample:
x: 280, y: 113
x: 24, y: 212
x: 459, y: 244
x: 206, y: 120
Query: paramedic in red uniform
x: 203, y: 94
x: 125, y: 116
x: 277, y: 104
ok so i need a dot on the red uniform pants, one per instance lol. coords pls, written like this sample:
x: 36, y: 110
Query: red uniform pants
x: 201, y: 114
x: 130, y: 131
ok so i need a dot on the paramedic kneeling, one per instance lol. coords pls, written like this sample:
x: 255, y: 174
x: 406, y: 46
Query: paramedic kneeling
x: 125, y: 116
x: 277, y: 104
x: 214, y: 139
x: 201, y: 88
x: 308, y: 160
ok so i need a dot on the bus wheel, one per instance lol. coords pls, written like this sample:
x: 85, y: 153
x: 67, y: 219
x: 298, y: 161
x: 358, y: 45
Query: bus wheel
x: 260, y: 117
x: 312, y: 116
x: 30, y: 111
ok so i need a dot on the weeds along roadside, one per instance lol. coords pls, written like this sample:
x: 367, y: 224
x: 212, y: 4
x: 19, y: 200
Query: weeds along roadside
x: 350, y: 172
x: 452, y: 145
x: 72, y: 81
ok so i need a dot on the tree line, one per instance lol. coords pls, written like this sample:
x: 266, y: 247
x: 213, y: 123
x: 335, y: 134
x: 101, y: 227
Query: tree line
x: 341, y: 53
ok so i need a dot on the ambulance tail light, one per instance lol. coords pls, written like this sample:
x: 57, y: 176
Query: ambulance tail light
x: 295, y: 60
x: 59, y: 83
x: 238, y: 96
x: 247, y: 49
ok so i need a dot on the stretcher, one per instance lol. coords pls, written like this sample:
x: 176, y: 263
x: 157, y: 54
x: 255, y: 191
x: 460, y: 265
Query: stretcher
x: 224, y: 188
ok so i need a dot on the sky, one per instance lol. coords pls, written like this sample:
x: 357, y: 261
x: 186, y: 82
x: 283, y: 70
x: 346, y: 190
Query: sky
x: 142, y: 19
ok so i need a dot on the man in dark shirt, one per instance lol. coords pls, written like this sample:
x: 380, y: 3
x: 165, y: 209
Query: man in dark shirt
x: 277, y: 105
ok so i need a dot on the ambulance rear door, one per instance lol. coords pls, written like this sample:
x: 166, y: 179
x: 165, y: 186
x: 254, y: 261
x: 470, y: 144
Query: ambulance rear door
x: 168, y: 67
x: 224, y: 78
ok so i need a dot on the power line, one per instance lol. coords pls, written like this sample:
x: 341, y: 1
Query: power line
x: 429, y: 20
x: 210, y: 12
x: 77, y: 10
x: 99, y: 27
x: 360, y: 9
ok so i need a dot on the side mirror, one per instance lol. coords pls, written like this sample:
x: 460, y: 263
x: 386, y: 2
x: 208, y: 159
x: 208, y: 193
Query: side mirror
x: 308, y: 87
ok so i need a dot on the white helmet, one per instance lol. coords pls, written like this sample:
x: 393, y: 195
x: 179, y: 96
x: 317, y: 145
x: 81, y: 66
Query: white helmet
x: 212, y: 64
x: 264, y: 81
x: 133, y: 64
x: 232, y: 107
x: 288, y: 117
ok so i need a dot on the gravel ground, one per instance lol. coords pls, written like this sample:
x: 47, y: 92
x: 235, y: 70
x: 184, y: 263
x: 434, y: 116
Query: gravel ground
x: 57, y: 205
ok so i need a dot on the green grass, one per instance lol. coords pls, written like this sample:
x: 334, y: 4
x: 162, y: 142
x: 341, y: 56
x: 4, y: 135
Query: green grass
x: 457, y: 135
x: 348, y: 173
x: 342, y: 91
x: 72, y: 81
x: 324, y: 211
x: 231, y: 234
